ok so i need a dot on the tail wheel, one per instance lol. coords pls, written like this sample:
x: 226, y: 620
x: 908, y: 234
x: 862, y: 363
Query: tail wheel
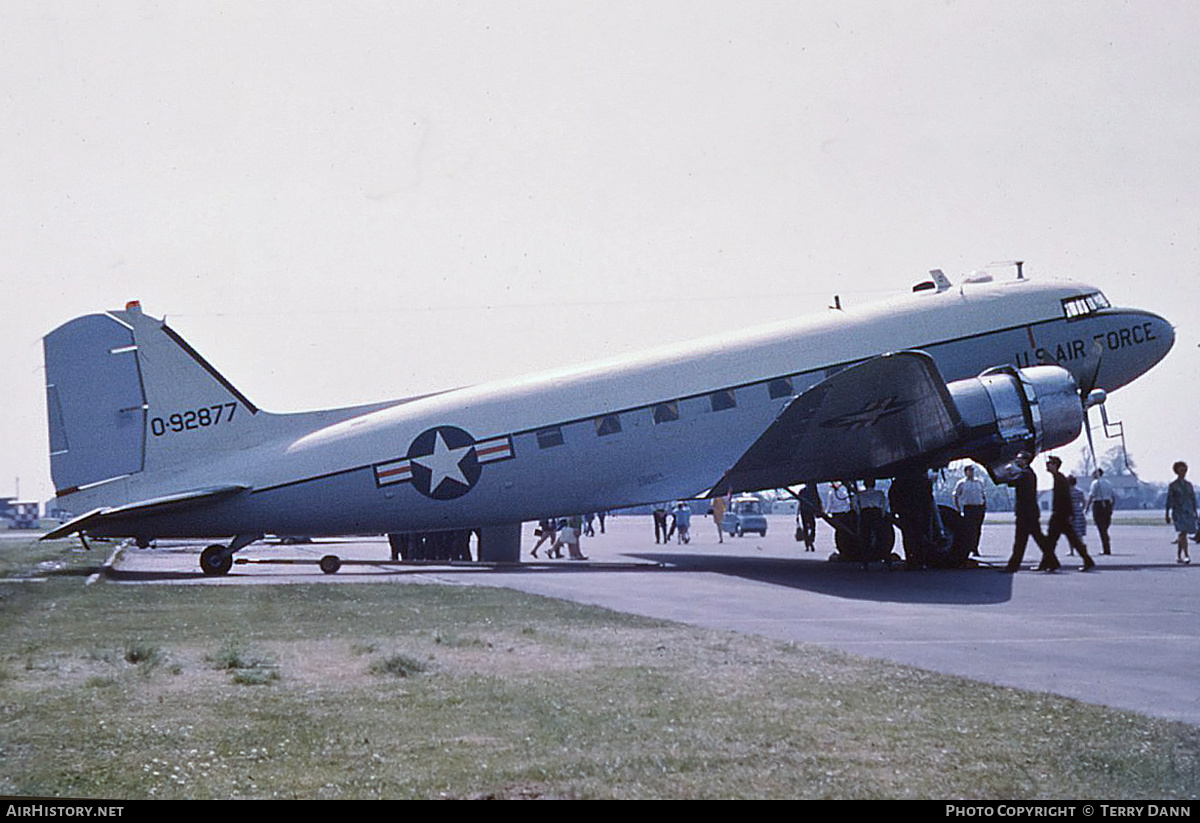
x: 216, y: 560
x: 330, y: 563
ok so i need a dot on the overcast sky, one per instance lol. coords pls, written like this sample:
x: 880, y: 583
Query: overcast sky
x: 352, y: 201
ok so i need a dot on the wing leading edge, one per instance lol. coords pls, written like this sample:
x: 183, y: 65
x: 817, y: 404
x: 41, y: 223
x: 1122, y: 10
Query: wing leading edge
x: 896, y: 412
x: 862, y: 422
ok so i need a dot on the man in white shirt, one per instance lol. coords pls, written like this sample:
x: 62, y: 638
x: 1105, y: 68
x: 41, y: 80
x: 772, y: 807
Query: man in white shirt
x: 871, y: 506
x: 837, y: 506
x: 971, y: 503
x: 1100, y: 500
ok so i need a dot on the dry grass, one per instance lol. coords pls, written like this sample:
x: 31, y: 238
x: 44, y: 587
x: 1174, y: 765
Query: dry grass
x: 511, y: 696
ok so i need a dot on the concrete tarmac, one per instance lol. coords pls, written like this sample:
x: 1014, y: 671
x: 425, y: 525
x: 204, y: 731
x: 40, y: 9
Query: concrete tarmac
x: 1126, y: 634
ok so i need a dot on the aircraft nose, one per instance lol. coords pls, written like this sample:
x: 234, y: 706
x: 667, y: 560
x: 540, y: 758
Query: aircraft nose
x: 1165, y: 332
x: 1160, y: 335
x: 1133, y: 344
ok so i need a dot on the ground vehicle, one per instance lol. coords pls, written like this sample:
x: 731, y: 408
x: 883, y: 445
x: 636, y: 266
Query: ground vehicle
x: 745, y: 515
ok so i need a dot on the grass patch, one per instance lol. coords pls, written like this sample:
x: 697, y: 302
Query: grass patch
x: 397, y: 665
x: 144, y: 655
x: 22, y: 554
x: 255, y: 677
x: 599, y: 704
x: 234, y: 655
x: 245, y: 666
x: 455, y: 641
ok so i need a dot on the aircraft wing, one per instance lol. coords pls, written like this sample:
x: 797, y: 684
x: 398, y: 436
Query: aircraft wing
x: 186, y: 499
x: 864, y: 421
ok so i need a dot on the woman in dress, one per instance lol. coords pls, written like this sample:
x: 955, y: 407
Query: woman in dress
x: 1181, y: 510
x: 1078, y: 507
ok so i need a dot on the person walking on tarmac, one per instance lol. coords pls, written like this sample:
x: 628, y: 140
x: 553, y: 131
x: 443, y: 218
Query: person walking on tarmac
x: 808, y: 507
x: 659, y: 512
x: 1062, y: 517
x: 1181, y: 510
x: 1028, y: 517
x: 719, y: 506
x: 1100, y: 500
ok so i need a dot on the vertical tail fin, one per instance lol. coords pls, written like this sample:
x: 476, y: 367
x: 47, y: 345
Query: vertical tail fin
x: 94, y: 402
x: 126, y: 394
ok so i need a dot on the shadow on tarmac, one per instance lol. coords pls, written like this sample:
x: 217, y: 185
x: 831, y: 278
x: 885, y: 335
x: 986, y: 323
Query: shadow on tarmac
x: 980, y: 586
x: 377, y: 569
x: 849, y: 580
x: 846, y: 580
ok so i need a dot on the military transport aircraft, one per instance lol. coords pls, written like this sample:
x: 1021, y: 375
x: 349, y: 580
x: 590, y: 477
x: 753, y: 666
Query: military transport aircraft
x: 148, y: 440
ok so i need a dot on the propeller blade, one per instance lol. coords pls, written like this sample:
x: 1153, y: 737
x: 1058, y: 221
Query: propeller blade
x: 1087, y: 426
x: 1085, y: 388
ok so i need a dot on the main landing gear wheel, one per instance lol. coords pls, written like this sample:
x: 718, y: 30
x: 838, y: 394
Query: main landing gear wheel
x: 330, y: 563
x: 216, y: 560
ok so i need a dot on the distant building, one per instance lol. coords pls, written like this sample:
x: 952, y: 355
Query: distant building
x: 1131, y: 493
x: 19, y: 514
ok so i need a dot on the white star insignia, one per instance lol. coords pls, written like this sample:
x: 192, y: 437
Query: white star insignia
x: 443, y: 463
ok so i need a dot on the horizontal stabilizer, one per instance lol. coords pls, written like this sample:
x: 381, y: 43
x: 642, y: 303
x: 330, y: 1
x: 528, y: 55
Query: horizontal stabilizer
x: 862, y: 422
x: 170, y: 502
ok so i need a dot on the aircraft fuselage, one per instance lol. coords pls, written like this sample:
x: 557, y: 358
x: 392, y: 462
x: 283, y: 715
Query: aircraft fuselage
x: 657, y: 426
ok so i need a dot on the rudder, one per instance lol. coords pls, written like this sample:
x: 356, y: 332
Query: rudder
x: 94, y: 401
x: 125, y: 393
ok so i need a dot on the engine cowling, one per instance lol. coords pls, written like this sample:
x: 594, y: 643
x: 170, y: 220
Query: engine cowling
x: 1008, y: 410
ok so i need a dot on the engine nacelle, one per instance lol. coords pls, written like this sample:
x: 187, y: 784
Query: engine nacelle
x: 1008, y: 410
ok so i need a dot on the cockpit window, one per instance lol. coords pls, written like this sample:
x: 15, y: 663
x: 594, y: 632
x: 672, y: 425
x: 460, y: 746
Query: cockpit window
x: 1076, y: 307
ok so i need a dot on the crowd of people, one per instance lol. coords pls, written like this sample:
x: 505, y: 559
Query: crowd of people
x: 863, y: 519
x: 566, y: 531
x: 1069, y: 507
x: 443, y: 545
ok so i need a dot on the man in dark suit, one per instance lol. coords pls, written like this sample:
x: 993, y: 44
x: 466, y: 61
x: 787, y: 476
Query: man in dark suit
x: 1062, y: 517
x: 1029, y: 517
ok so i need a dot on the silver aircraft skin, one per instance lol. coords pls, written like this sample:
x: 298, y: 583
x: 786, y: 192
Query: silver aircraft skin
x: 148, y: 440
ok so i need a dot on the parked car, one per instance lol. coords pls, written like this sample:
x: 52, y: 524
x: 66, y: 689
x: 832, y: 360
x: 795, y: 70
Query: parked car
x: 745, y: 515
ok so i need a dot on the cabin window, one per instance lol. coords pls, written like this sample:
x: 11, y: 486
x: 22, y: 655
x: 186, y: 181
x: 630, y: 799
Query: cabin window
x: 666, y: 412
x: 780, y: 387
x: 608, y: 424
x: 723, y: 399
x: 549, y: 438
x: 1083, y: 305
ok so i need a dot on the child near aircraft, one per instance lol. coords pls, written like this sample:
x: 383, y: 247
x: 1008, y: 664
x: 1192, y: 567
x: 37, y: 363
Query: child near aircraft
x: 683, y: 522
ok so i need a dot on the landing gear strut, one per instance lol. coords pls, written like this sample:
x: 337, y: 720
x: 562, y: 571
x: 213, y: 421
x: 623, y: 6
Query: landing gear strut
x: 217, y: 560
